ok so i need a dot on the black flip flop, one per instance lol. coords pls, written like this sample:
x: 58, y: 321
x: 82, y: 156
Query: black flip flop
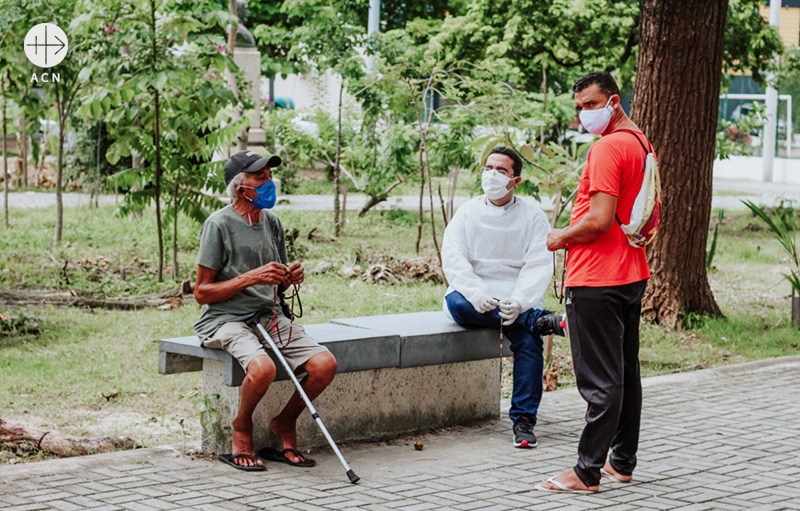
x: 230, y: 459
x: 270, y: 454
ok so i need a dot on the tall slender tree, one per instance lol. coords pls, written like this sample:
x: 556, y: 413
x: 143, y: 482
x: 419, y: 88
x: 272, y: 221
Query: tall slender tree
x: 329, y: 37
x: 675, y: 101
x: 156, y: 84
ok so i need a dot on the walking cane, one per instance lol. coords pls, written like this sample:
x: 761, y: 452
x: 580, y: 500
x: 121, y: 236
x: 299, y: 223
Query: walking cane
x: 255, y: 320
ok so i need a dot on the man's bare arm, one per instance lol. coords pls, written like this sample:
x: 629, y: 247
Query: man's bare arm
x: 599, y: 219
x: 208, y: 291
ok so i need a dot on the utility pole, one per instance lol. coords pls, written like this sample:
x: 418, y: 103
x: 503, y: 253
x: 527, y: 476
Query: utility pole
x: 373, y: 26
x: 770, y: 131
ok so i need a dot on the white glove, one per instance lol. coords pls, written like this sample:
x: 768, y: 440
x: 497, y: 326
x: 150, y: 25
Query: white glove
x: 484, y: 303
x: 510, y: 310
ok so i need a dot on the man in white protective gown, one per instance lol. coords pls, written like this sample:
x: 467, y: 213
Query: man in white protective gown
x: 495, y: 257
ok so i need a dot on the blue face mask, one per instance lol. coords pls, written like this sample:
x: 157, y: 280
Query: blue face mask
x: 266, y: 195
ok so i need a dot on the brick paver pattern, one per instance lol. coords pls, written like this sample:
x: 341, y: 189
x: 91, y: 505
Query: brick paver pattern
x: 721, y: 441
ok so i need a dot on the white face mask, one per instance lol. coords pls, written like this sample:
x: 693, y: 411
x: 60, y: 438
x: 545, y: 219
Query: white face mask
x: 495, y: 184
x: 596, y: 121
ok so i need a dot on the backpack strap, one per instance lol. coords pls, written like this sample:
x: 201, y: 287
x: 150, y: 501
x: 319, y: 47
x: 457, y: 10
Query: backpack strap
x: 646, y: 151
x: 637, y: 139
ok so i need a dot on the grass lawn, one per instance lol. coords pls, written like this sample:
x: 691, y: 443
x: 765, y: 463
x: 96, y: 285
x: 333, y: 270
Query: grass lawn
x: 95, y: 372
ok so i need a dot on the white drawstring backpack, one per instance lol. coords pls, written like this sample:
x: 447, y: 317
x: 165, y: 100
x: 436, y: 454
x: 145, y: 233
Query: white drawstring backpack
x: 645, y: 217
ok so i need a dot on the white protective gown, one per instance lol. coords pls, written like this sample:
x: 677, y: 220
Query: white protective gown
x: 501, y: 251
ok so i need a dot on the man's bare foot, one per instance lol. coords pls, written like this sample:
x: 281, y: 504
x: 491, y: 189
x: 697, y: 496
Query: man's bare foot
x: 287, y: 432
x: 571, y: 481
x: 608, y: 469
x: 243, y: 442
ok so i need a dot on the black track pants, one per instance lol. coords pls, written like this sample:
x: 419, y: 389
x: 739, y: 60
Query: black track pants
x: 604, y: 336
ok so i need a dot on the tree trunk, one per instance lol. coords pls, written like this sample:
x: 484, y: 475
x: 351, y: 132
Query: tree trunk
x: 96, y: 188
x: 675, y: 102
x: 374, y: 200
x: 171, y: 299
x: 176, y: 272
x: 157, y: 144
x: 451, y: 194
x: 42, y: 153
x: 62, y: 125
x: 433, y: 209
x: 233, y: 10
x: 26, y: 150
x: 5, y: 154
x: 336, y: 170
x: 544, y: 99
x: 344, y: 207
x: 421, y: 190
x: 22, y: 157
x: 57, y: 443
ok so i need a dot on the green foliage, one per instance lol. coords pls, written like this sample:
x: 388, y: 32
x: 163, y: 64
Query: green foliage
x: 529, y: 39
x: 206, y: 409
x: 395, y: 161
x: 87, y: 166
x: 540, y: 46
x: 167, y: 71
x: 785, y: 209
x: 305, y: 139
x: 297, y: 147
x: 273, y: 30
x: 733, y: 137
x: 123, y: 250
x: 782, y: 233
x: 750, y: 43
x: 788, y: 81
x: 328, y: 35
x: 18, y: 324
x: 16, y: 69
x: 397, y: 13
x: 275, y: 25
x: 452, y: 138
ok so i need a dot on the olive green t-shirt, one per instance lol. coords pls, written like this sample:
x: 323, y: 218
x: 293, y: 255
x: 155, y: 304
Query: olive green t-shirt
x: 231, y: 246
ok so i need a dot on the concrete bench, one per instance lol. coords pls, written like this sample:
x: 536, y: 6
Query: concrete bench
x: 396, y: 374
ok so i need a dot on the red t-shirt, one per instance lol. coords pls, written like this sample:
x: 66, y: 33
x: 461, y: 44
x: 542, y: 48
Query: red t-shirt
x: 615, y: 166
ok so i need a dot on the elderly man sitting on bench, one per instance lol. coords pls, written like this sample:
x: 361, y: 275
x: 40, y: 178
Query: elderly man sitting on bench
x: 241, y: 272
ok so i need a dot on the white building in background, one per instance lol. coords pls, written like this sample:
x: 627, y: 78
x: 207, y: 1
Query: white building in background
x: 785, y: 170
x: 309, y: 91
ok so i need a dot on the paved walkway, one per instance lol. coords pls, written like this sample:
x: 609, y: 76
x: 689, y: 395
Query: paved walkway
x: 733, y: 191
x: 724, y: 439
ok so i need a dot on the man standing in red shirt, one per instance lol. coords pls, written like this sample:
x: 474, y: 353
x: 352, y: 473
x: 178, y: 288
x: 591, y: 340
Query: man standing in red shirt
x: 606, y: 278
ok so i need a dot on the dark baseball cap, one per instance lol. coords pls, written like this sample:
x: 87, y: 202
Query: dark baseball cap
x: 248, y: 161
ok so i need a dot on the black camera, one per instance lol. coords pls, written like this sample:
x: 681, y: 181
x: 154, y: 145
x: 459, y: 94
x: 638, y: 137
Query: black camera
x: 551, y: 324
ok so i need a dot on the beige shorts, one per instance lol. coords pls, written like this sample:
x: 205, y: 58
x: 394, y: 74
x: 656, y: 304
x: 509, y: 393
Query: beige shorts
x: 245, y: 343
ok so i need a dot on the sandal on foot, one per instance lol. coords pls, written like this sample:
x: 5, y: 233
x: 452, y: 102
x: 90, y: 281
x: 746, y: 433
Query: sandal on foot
x: 280, y: 456
x: 230, y: 459
x: 561, y: 487
x: 604, y: 473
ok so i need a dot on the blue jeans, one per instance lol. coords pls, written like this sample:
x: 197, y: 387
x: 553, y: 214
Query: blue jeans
x: 526, y: 345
